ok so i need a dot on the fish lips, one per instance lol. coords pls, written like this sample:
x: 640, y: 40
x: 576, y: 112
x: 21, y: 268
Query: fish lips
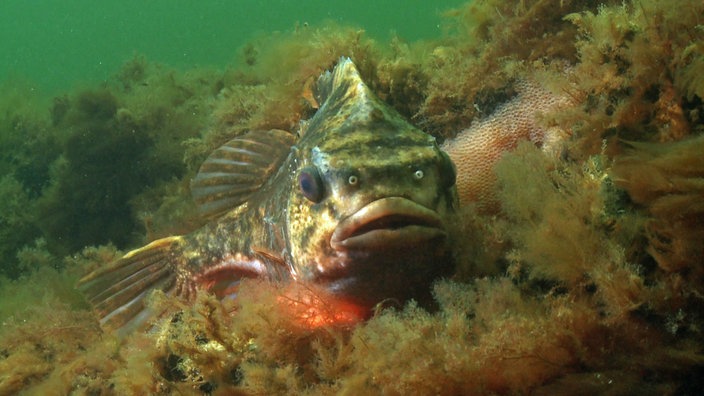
x: 388, y: 223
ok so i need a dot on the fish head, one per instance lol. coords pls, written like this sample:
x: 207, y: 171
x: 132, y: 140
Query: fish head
x: 368, y: 217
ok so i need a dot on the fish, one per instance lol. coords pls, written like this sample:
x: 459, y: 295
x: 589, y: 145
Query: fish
x: 358, y: 203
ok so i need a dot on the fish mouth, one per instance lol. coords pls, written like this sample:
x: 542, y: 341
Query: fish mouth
x: 388, y: 223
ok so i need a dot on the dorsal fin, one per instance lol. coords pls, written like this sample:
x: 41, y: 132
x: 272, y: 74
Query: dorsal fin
x: 237, y: 169
x: 344, y: 70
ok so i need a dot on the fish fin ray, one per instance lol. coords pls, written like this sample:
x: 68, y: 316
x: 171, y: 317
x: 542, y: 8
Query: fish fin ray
x: 236, y: 170
x: 117, y: 292
x: 277, y: 264
x: 329, y: 80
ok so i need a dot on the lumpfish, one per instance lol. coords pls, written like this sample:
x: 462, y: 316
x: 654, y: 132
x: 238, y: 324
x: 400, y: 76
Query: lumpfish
x: 357, y: 203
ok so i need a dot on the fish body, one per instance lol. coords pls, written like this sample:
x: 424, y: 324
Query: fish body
x: 357, y: 205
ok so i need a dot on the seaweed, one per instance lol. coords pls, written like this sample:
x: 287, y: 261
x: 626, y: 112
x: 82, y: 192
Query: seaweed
x: 117, y: 142
x: 26, y: 152
x: 493, y: 43
x: 103, y: 167
x: 666, y: 179
x: 16, y: 227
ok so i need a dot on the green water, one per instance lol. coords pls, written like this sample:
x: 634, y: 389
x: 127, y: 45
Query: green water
x: 56, y: 44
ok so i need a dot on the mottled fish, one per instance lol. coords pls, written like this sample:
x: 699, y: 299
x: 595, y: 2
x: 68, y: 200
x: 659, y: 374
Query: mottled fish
x: 357, y: 205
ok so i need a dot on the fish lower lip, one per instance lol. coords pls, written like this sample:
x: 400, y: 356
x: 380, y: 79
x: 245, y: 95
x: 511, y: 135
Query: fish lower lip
x: 386, y: 223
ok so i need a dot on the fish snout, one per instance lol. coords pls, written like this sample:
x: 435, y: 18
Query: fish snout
x: 392, y: 222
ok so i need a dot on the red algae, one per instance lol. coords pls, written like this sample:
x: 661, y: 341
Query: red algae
x: 312, y: 307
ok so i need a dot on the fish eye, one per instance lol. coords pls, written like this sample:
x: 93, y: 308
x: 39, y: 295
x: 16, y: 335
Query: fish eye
x: 311, y: 184
x: 352, y: 180
x: 418, y: 174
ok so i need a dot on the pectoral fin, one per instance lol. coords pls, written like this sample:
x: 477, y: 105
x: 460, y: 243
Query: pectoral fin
x: 233, y: 172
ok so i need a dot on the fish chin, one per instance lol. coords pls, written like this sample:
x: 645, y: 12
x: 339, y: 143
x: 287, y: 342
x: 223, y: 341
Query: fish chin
x: 388, y: 224
x: 392, y: 250
x: 395, y: 275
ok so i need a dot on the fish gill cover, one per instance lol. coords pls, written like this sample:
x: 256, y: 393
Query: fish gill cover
x: 586, y: 275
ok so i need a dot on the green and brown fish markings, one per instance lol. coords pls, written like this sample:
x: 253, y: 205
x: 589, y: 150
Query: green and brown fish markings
x: 358, y: 205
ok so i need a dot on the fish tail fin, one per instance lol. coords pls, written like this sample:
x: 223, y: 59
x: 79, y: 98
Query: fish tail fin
x: 118, y: 291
